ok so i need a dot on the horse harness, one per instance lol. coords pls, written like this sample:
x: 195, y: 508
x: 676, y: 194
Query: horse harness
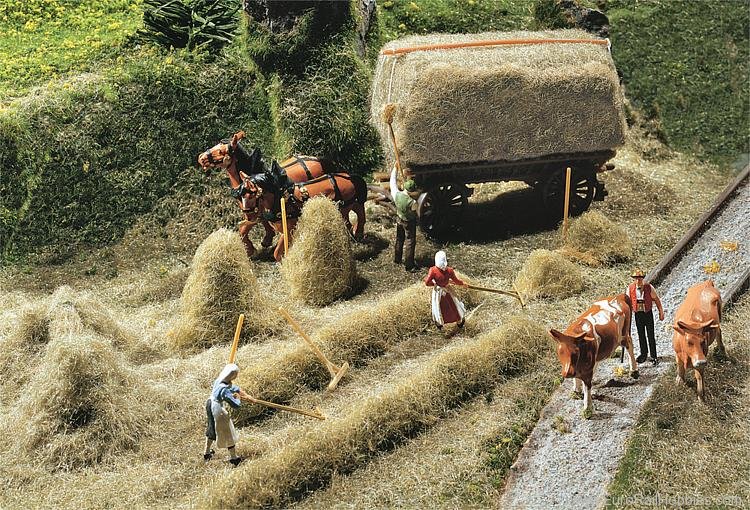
x: 301, y: 160
x: 338, y: 197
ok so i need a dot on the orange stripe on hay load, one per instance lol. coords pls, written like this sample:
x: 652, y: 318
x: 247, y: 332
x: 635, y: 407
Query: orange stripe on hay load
x: 497, y: 42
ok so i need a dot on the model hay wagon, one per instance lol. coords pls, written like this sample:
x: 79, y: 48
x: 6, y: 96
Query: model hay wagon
x: 511, y: 106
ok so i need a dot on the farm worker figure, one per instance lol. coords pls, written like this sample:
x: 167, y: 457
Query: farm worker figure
x: 642, y: 298
x: 219, y: 426
x: 446, y: 308
x: 406, y: 220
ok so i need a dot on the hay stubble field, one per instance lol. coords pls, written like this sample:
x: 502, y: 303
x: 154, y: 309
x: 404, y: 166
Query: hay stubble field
x: 423, y: 418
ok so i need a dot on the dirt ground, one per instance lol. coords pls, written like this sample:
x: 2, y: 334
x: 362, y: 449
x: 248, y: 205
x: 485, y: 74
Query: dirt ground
x: 460, y: 460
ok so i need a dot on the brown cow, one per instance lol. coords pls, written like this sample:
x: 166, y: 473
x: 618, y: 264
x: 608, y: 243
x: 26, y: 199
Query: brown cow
x: 592, y: 337
x: 697, y: 323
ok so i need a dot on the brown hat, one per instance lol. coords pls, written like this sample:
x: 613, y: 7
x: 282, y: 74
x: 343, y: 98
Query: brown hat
x: 637, y: 274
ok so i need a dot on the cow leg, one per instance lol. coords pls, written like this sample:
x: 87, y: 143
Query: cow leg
x: 720, y: 350
x: 588, y: 404
x: 699, y: 383
x: 631, y: 357
x: 577, y: 392
x: 680, y: 371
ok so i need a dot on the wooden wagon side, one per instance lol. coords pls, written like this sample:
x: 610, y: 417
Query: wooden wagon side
x: 445, y: 190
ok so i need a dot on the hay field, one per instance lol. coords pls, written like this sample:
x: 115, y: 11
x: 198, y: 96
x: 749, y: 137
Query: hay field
x: 451, y: 449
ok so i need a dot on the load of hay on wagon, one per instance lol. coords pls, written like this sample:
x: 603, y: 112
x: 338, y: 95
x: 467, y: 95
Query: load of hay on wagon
x: 505, y: 97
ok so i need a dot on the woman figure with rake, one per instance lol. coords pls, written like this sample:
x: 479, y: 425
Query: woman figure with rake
x: 219, y: 426
x: 446, y: 308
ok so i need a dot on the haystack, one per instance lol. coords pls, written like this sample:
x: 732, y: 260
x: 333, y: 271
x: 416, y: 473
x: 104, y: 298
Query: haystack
x: 85, y: 405
x: 320, y: 267
x: 379, y: 421
x: 66, y: 313
x: 596, y: 240
x: 504, y: 102
x: 548, y: 274
x: 220, y: 287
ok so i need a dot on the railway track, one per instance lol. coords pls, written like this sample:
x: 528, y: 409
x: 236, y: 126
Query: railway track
x: 573, y: 470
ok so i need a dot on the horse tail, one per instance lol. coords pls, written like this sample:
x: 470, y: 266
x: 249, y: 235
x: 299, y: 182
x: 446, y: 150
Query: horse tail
x: 360, y: 188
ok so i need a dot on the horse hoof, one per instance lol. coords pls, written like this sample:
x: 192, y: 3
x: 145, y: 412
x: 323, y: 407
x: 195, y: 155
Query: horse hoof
x: 587, y: 414
x: 635, y: 374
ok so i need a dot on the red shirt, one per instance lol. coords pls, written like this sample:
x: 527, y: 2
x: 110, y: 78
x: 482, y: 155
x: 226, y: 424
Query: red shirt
x: 441, y: 277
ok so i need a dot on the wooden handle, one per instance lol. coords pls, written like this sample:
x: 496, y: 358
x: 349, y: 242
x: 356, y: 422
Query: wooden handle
x: 236, y: 342
x: 290, y: 409
x: 330, y: 366
x: 514, y: 293
x: 567, y: 204
x: 283, y: 225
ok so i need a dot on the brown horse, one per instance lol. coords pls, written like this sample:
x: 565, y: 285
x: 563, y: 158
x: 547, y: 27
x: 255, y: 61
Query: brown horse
x: 240, y: 165
x: 348, y: 191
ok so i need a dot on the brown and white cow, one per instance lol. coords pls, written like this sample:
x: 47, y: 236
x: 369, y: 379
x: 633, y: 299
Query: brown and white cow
x: 592, y: 337
x: 697, y: 323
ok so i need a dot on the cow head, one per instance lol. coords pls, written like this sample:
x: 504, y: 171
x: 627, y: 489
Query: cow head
x: 571, y: 351
x: 695, y: 337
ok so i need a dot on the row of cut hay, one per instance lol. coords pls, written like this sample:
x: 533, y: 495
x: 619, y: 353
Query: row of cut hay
x: 82, y: 404
x: 320, y: 267
x: 356, y: 337
x: 496, y: 103
x: 378, y: 422
x: 596, y: 240
x: 220, y: 287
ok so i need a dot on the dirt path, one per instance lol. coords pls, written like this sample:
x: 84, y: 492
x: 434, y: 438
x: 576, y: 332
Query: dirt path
x: 558, y: 468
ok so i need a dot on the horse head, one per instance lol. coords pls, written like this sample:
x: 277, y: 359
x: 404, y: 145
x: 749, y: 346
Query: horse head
x: 221, y: 155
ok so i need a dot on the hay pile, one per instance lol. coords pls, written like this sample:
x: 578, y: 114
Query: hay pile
x: 356, y: 337
x: 220, y: 287
x: 501, y: 102
x: 65, y: 313
x: 548, y: 274
x: 380, y: 421
x: 596, y: 240
x: 82, y: 405
x: 320, y: 267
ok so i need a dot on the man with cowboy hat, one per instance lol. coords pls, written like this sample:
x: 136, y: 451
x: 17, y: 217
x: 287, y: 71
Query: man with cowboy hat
x: 642, y: 297
x: 406, y: 220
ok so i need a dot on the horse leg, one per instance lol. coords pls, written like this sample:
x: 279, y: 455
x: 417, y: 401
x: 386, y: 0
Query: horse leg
x: 359, y: 229
x: 244, y: 230
x: 279, y: 253
x: 269, y: 235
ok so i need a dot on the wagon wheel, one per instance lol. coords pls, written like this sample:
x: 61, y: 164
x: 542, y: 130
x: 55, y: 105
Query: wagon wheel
x: 582, y: 189
x: 441, y: 207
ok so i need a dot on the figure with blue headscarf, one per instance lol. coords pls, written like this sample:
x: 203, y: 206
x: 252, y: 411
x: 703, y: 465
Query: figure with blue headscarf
x: 219, y: 426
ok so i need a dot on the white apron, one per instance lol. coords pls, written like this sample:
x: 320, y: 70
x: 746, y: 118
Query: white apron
x: 437, y: 295
x: 226, y: 436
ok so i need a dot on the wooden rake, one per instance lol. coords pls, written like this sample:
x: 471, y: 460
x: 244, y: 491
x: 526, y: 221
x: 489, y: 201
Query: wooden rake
x: 249, y: 398
x: 336, y: 372
x: 513, y: 293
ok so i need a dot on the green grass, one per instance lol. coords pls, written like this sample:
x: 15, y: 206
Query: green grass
x: 41, y: 40
x: 686, y: 64
x: 88, y: 156
x: 403, y: 17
